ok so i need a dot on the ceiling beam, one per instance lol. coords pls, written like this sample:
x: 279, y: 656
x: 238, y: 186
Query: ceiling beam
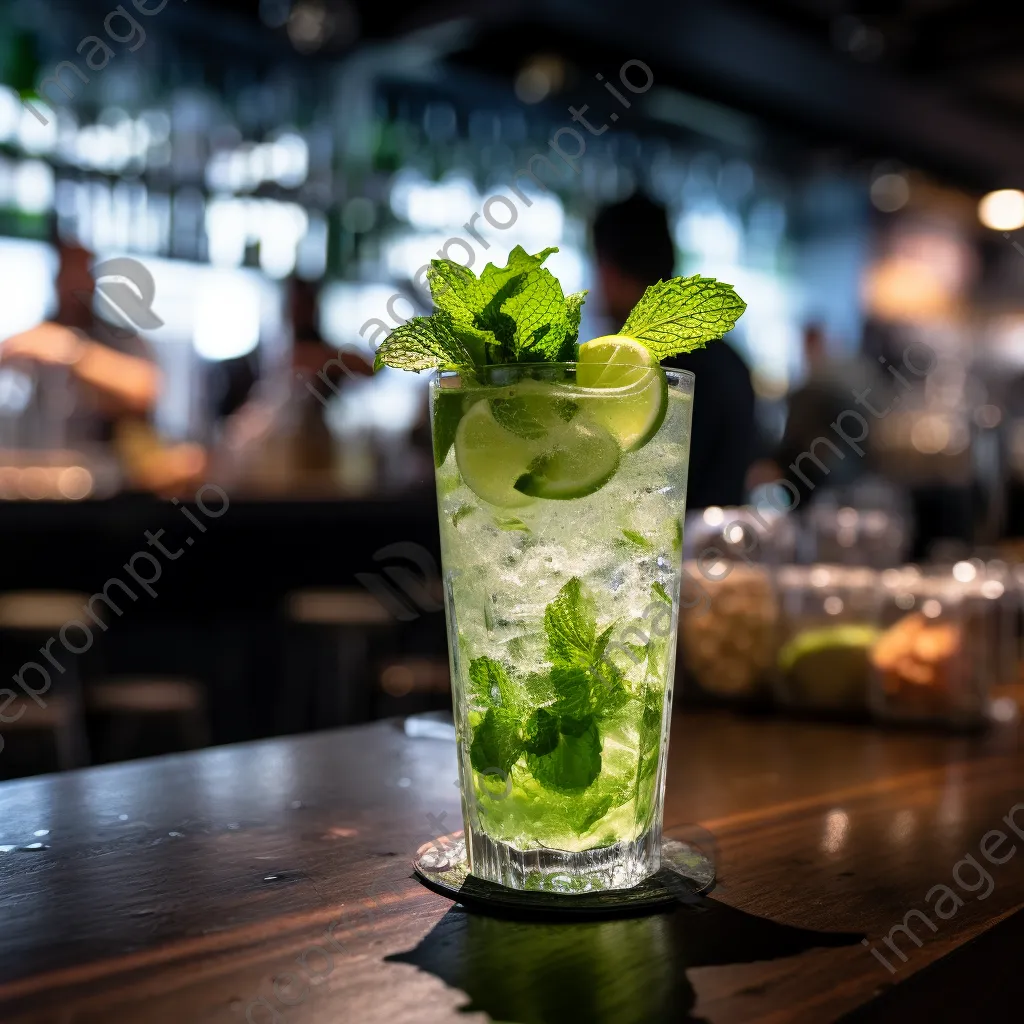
x: 748, y: 60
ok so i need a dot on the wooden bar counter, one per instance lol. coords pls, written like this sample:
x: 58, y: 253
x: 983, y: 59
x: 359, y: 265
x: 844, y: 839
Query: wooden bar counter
x: 271, y: 882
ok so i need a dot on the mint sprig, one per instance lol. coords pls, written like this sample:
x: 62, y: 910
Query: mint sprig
x: 575, y: 762
x: 518, y: 314
x: 571, y: 626
x: 424, y: 343
x: 683, y: 314
x: 497, y: 743
x: 561, y: 741
x: 490, y: 683
x: 510, y: 314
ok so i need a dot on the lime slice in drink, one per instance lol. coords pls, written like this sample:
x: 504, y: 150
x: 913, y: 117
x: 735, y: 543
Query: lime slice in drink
x: 491, y: 459
x: 533, y: 410
x: 578, y: 460
x: 637, y: 398
x: 527, y: 441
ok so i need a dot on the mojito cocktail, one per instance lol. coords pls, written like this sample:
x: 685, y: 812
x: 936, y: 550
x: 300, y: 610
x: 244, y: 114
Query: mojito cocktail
x: 561, y: 614
x: 561, y: 489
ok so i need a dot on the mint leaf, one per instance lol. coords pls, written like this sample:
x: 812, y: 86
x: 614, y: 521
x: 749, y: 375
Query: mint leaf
x: 609, y: 693
x: 451, y: 285
x: 580, y: 693
x: 639, y: 651
x: 540, y: 734
x: 453, y: 288
x: 683, y: 314
x: 511, y: 523
x: 538, y: 310
x: 424, y: 343
x: 650, y: 732
x: 496, y: 286
x: 519, y: 416
x: 607, y: 677
x: 565, y: 409
x: 584, y: 678
x: 601, y: 644
x: 575, y: 762
x: 573, y: 314
x: 490, y: 683
x: 537, y: 688
x: 582, y: 815
x: 496, y: 743
x: 447, y: 413
x: 532, y: 416
x: 638, y: 539
x: 511, y: 313
x: 461, y: 512
x: 614, y: 696
x: 570, y: 624
x: 572, y: 686
x: 660, y: 593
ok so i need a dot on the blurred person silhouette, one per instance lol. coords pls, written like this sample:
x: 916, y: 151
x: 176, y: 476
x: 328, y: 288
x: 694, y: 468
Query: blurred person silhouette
x: 634, y: 249
x: 117, y: 382
x: 827, y: 392
x: 280, y: 433
x: 114, y: 366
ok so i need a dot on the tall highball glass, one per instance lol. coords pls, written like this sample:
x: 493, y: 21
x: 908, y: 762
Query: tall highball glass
x: 561, y: 510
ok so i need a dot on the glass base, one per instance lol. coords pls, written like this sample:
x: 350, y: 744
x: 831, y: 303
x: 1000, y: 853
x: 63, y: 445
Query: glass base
x: 621, y: 866
x: 687, y: 873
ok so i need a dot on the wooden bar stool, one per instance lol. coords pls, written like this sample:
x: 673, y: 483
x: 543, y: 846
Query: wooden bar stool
x: 39, y: 631
x: 328, y: 681
x: 412, y: 685
x: 137, y: 708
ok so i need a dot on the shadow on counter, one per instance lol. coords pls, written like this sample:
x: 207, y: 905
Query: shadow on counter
x: 606, y: 972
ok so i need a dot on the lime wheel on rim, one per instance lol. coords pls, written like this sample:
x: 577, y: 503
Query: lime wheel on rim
x: 635, y: 399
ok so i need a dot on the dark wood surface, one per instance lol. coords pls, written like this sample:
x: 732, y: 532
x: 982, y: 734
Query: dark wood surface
x: 199, y: 888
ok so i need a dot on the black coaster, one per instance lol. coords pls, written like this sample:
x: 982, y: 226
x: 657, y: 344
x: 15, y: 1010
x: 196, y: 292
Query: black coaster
x: 685, y: 874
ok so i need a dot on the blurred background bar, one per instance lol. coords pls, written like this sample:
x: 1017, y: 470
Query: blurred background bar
x: 233, y: 202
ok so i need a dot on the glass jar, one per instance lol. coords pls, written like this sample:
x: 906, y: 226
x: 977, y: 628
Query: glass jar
x: 829, y: 621
x: 741, y: 535
x: 846, y: 536
x: 728, y: 637
x: 932, y: 663
x: 991, y: 603
x: 997, y: 584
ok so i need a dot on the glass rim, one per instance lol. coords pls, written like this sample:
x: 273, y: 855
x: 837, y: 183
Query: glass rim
x: 686, y: 377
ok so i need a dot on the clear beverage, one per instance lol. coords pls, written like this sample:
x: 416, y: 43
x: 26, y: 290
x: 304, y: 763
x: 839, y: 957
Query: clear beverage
x: 561, y: 511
